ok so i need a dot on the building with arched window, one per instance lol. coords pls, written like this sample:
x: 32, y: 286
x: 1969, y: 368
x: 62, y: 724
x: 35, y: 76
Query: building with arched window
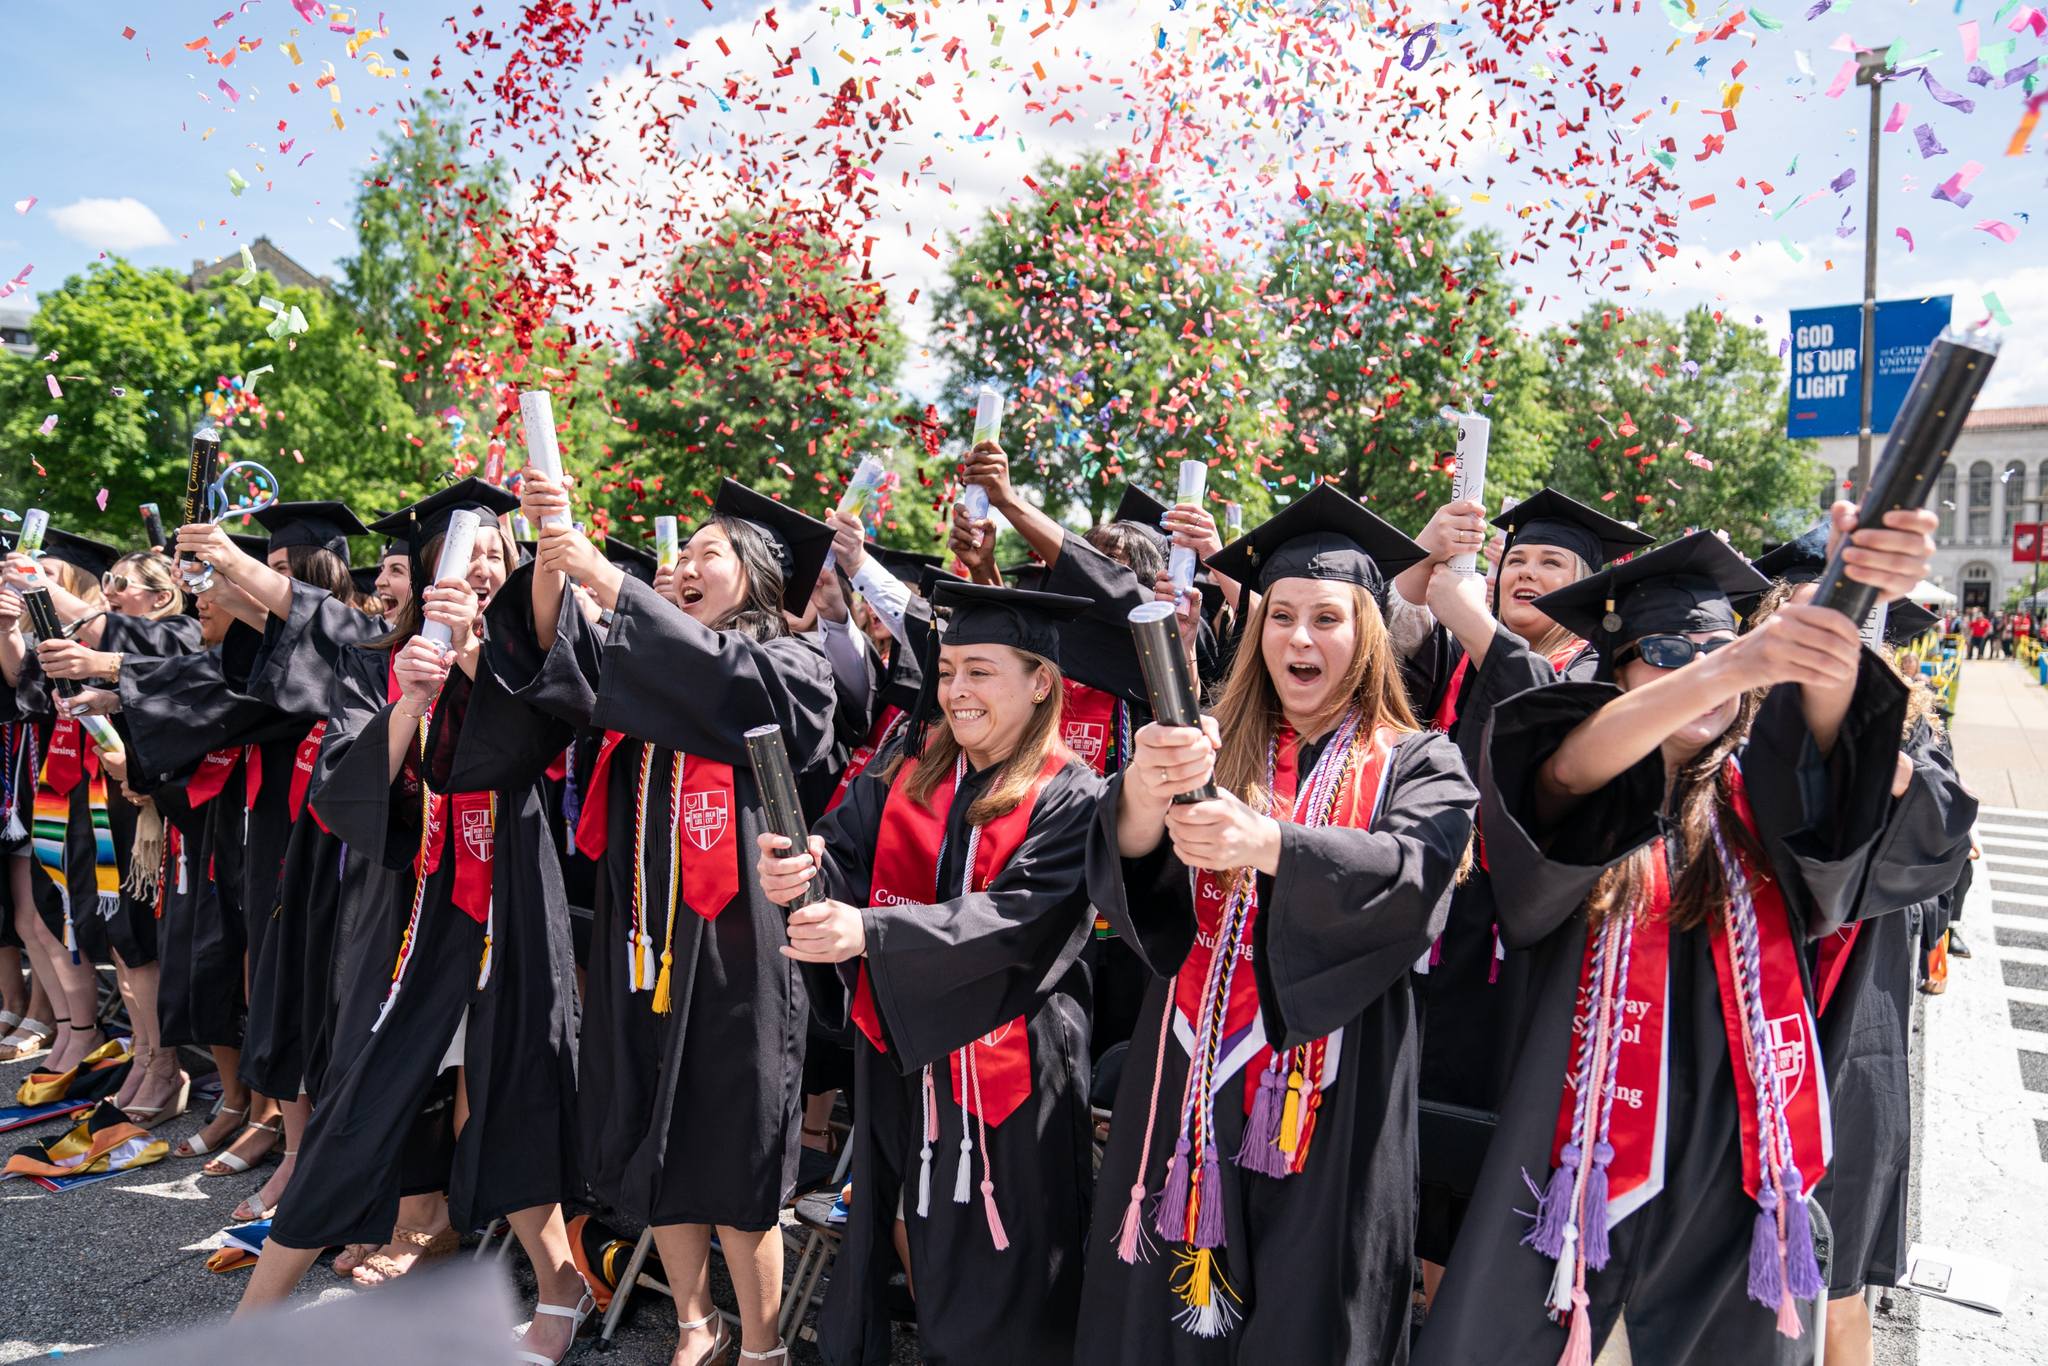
x: 1995, y: 479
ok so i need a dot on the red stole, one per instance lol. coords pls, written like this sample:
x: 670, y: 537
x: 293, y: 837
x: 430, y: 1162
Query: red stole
x: 302, y: 770
x: 1447, y: 707
x: 906, y: 872
x: 472, y: 831
x: 1638, y: 1118
x: 68, y: 761
x: 857, y: 763
x: 1243, y: 1041
x: 1088, y: 724
x: 704, y: 807
x: 212, y: 775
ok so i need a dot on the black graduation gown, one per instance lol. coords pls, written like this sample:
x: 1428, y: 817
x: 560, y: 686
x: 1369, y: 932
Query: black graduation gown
x: 33, y: 699
x: 1470, y: 1001
x: 943, y: 975
x: 1322, y: 1261
x: 1865, y: 1029
x: 514, y: 1151
x: 1679, y: 1264
x: 201, y: 939
x: 725, y: 1152
x: 23, y: 707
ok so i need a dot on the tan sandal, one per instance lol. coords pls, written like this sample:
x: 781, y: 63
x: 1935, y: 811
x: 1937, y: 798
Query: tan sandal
x: 355, y: 1254
x: 28, y: 1039
x: 383, y: 1267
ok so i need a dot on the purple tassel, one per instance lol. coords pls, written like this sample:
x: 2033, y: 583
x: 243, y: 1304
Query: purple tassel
x: 1554, y: 1206
x: 1171, y: 1218
x: 1802, y: 1269
x: 1209, y: 1217
x: 1593, y: 1223
x: 1260, y: 1151
x: 1766, y: 1261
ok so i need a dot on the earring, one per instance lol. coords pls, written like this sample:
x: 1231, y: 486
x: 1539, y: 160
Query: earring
x: 1038, y: 699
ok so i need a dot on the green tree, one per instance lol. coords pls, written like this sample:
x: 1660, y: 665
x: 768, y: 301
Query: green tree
x: 1390, y: 315
x: 141, y: 361
x: 1679, y: 423
x: 766, y: 358
x: 1125, y: 345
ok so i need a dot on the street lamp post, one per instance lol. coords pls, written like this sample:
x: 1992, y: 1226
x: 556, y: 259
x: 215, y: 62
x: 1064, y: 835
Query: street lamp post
x: 1870, y: 68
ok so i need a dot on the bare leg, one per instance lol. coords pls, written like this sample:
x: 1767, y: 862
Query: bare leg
x: 234, y: 1104
x: 686, y: 1259
x: 900, y: 1235
x: 1849, y: 1337
x: 277, y: 1273
x: 1432, y: 1277
x: 13, y: 986
x: 163, y: 1073
x: 297, y: 1113
x: 253, y: 1145
x: 545, y: 1236
x: 817, y: 1133
x: 73, y: 988
x: 427, y: 1214
x: 754, y: 1261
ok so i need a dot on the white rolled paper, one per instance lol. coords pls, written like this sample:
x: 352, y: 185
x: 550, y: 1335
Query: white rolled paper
x: 543, y: 450
x: 457, y: 546
x: 1474, y: 432
x: 1180, y: 560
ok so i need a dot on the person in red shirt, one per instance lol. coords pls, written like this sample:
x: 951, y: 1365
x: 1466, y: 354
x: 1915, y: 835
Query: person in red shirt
x: 1980, y: 633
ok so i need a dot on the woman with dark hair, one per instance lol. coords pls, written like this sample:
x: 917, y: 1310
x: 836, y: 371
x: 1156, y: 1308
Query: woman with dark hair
x: 693, y: 1050
x: 1272, y: 1078
x: 952, y: 937
x: 462, y: 957
x: 1676, y: 846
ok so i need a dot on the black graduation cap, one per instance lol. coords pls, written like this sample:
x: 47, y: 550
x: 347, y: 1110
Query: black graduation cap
x: 1548, y: 517
x: 1141, y: 508
x: 631, y: 558
x: 1799, y: 560
x: 1906, y: 621
x: 907, y: 565
x: 429, y: 517
x: 1685, y: 586
x: 259, y: 546
x: 800, y: 541
x: 365, y: 579
x: 324, y: 524
x: 81, y: 552
x: 1322, y: 535
x: 983, y: 614
x: 1027, y: 574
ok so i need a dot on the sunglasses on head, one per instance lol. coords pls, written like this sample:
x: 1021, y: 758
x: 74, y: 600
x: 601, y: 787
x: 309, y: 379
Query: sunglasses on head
x: 1671, y: 651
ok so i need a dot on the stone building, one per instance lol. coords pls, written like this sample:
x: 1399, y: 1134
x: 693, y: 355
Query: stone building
x: 282, y: 268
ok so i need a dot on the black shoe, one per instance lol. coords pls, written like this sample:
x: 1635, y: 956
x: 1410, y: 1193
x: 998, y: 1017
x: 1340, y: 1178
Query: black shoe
x: 1956, y: 947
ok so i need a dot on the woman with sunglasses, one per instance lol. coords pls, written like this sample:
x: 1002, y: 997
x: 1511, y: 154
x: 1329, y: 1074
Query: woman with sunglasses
x: 1677, y: 837
x: 1269, y: 1099
x: 1475, y: 643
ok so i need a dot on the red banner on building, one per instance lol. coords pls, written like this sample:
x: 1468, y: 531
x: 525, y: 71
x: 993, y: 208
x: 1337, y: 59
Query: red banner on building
x: 2026, y: 542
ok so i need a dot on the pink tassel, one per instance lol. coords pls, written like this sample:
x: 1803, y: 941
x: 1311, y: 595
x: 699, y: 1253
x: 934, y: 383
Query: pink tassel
x: 1578, y: 1342
x: 1132, y: 1246
x: 1766, y: 1256
x: 1789, y: 1325
x: 1802, y: 1268
x: 1554, y: 1206
x: 1209, y: 1216
x: 995, y: 1220
x: 1260, y: 1151
x: 1171, y: 1218
x: 1593, y: 1220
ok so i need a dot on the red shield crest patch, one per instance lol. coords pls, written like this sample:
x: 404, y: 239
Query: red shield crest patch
x: 476, y: 833
x: 705, y: 815
x: 1785, y: 1038
x: 1085, y: 738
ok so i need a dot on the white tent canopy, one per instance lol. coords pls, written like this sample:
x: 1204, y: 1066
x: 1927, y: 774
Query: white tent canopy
x: 1931, y: 595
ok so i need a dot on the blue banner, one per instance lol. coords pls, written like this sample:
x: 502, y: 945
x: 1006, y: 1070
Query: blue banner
x: 1827, y: 396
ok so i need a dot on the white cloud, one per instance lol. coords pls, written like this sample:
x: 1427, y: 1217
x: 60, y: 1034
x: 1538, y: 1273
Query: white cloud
x: 115, y: 224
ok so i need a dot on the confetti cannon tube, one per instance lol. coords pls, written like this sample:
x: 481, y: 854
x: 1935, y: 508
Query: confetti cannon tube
x: 1475, y: 433
x: 1180, y: 560
x: 457, y: 546
x: 43, y: 625
x: 777, y: 781
x: 543, y: 451
x: 1168, y: 683
x: 1951, y: 376
x: 988, y: 428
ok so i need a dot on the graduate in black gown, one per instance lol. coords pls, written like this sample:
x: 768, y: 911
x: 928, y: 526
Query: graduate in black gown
x: 1668, y: 1105
x: 145, y: 618
x: 1257, y: 1199
x: 464, y: 960
x: 951, y: 934
x: 693, y: 1044
x: 1488, y: 641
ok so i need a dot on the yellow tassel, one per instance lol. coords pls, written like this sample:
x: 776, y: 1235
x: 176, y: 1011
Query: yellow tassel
x: 661, y: 987
x: 483, y: 968
x: 1290, y: 1114
x: 1197, y: 1287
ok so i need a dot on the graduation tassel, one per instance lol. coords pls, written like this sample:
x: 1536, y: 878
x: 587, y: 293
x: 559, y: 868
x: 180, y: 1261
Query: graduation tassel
x: 1578, y: 1341
x: 1260, y: 1150
x: 930, y: 1128
x: 963, y: 1175
x: 675, y: 865
x: 1802, y: 1268
x: 483, y: 971
x: 411, y: 935
x: 996, y: 1233
x: 1290, y: 1114
x: 1208, y: 1303
x: 1133, y: 1244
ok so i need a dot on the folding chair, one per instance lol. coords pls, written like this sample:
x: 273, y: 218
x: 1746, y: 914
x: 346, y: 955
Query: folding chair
x: 820, y: 1245
x: 1824, y: 1253
x: 628, y: 1283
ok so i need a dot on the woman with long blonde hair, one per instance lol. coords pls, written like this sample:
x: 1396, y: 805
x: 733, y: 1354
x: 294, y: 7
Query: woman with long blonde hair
x: 951, y: 932
x: 1257, y: 1200
x: 1677, y: 842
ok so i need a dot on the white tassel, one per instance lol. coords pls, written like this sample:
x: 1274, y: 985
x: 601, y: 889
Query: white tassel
x: 181, y: 869
x: 14, y: 830
x: 385, y: 1009
x: 963, y: 1178
x: 924, y: 1154
x: 1562, y: 1279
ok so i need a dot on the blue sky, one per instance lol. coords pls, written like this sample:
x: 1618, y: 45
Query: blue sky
x: 111, y: 136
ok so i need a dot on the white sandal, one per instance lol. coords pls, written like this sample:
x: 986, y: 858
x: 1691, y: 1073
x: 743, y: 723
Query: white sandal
x: 718, y: 1348
x: 774, y: 1355
x: 233, y: 1163
x: 192, y: 1145
x: 255, y: 1202
x: 582, y: 1310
